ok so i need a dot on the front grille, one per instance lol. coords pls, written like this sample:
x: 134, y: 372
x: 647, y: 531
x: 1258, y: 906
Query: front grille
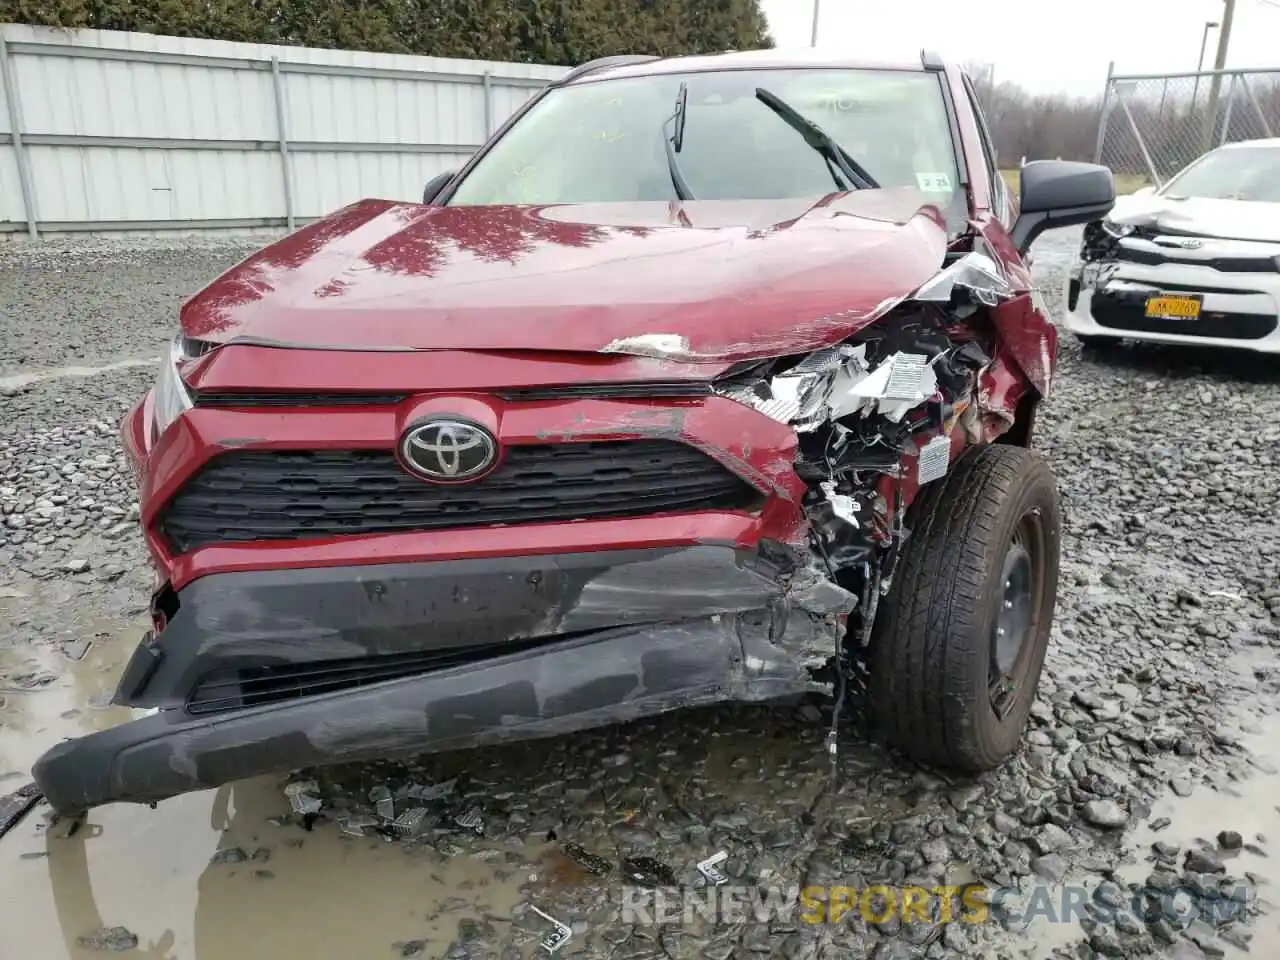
x: 1130, y: 254
x: 675, y: 389
x: 1128, y: 313
x: 246, y: 400
x: 257, y: 685
x: 662, y: 389
x: 251, y: 495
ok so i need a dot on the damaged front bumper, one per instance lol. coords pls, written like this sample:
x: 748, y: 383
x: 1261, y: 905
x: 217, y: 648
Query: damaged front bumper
x: 266, y: 673
x: 1107, y: 295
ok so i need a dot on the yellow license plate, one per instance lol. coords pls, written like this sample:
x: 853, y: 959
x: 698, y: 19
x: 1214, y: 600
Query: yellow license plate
x: 1174, y: 308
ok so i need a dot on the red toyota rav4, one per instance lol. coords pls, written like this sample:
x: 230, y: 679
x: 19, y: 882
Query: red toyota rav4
x: 705, y: 379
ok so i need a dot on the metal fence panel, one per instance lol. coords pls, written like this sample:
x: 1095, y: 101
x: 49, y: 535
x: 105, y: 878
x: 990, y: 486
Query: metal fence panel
x: 64, y: 95
x: 134, y: 131
x: 124, y: 184
x: 1154, y: 125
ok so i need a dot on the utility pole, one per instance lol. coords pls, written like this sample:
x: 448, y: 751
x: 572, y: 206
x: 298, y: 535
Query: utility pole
x: 813, y: 42
x: 1204, y: 42
x: 1219, y: 64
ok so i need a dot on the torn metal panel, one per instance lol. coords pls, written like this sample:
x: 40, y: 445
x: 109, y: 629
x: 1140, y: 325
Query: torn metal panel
x: 802, y: 395
x: 976, y: 273
x: 1001, y: 388
x: 657, y: 345
x: 900, y: 383
x: 877, y: 416
x: 844, y: 380
x: 1029, y: 339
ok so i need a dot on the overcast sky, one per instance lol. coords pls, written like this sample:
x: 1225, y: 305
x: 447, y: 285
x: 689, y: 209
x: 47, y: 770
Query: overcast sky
x: 1045, y: 45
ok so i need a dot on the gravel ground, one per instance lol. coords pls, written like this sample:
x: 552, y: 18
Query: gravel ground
x: 1162, y: 663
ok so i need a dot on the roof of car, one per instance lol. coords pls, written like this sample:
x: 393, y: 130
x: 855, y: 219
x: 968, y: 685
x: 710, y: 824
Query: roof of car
x: 804, y: 57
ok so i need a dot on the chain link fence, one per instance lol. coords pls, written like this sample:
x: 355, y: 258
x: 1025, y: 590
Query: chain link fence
x: 1154, y: 125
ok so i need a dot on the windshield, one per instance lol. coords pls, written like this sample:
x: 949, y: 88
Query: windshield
x: 1231, y: 173
x: 607, y: 140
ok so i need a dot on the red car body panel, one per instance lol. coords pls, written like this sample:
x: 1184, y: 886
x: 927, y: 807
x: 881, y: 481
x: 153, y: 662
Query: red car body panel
x: 246, y: 368
x: 733, y: 279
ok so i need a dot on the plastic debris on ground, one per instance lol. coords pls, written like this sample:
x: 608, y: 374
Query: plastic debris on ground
x: 648, y: 872
x: 411, y: 823
x: 471, y: 820
x: 383, y: 803
x: 16, y: 805
x: 587, y: 860
x: 556, y: 939
x: 304, y: 797
x: 710, y: 869
x: 357, y: 824
x: 393, y: 810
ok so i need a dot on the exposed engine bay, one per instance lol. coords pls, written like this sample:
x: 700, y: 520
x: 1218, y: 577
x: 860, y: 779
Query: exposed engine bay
x: 878, y: 416
x: 893, y: 394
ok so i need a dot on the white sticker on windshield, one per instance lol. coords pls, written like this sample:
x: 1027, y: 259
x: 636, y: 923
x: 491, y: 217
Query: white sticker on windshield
x: 934, y: 182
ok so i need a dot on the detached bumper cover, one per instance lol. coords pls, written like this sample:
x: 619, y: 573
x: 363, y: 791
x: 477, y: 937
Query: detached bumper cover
x: 616, y: 636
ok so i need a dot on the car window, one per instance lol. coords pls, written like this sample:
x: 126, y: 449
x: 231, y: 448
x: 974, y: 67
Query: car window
x: 1231, y: 173
x: 603, y: 141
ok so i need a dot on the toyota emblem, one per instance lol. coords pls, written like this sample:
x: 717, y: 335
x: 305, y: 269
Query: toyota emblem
x: 448, y: 450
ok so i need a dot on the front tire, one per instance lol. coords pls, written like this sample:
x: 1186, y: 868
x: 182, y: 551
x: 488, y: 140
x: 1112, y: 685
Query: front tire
x: 960, y: 639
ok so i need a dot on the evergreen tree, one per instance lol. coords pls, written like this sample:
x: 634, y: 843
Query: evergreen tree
x: 563, y: 32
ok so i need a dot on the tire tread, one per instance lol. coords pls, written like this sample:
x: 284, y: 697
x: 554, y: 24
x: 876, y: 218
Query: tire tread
x: 924, y: 694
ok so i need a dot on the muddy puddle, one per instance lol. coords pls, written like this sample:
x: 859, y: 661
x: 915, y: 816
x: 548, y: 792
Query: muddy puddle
x: 1248, y: 807
x: 1194, y: 818
x: 219, y: 874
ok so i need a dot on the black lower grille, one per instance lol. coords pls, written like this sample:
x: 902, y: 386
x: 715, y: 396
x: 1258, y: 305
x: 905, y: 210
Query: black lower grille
x: 247, y: 400
x: 1128, y: 313
x: 245, y: 496
x: 258, y: 685
x: 1155, y: 258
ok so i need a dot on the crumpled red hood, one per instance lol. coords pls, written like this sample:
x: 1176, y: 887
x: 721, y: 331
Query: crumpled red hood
x: 705, y: 280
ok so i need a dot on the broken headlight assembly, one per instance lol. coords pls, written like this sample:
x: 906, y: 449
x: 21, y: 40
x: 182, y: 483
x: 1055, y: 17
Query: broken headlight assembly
x: 903, y: 361
x: 896, y: 389
x: 170, y: 397
x: 1115, y: 230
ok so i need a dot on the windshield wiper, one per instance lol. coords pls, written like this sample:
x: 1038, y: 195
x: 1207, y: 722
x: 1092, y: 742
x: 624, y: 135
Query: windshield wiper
x: 835, y: 155
x: 675, y: 143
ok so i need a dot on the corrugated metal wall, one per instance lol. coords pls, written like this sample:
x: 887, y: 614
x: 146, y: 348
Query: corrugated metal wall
x: 127, y: 131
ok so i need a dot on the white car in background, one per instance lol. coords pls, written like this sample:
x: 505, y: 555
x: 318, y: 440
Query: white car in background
x: 1194, y: 262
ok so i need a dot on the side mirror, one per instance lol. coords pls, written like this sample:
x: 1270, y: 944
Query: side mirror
x: 435, y: 186
x: 1061, y: 193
